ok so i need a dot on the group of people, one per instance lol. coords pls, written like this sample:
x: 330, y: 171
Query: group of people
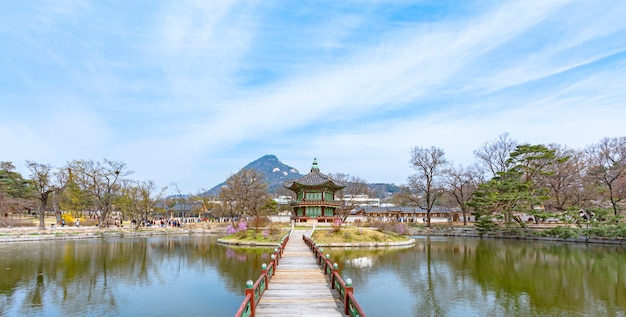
x: 161, y: 222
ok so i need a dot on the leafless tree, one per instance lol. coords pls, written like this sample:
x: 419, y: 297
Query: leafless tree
x: 42, y: 178
x: 427, y: 185
x: 607, y: 166
x: 101, y: 181
x: 493, y: 156
x: 565, y: 179
x: 244, y: 194
x: 349, y: 195
x: 149, y: 197
x: 461, y: 183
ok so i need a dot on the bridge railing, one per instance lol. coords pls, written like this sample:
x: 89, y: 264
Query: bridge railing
x: 255, y: 289
x: 343, y: 287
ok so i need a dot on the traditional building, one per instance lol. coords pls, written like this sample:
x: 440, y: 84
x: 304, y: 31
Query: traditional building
x: 315, y: 196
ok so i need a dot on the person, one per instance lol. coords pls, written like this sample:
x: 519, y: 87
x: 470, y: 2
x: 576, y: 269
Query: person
x: 62, y: 222
x: 77, y: 222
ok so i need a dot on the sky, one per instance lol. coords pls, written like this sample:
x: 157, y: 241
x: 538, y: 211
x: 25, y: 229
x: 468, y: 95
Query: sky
x: 188, y: 92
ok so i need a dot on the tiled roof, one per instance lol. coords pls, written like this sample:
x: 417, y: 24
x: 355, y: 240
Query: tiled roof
x: 315, y: 178
x: 403, y: 209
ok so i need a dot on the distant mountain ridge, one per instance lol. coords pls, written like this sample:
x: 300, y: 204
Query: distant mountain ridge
x: 276, y: 173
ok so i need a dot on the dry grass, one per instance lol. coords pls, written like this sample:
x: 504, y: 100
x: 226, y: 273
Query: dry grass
x: 251, y: 235
x: 16, y: 222
x: 355, y: 236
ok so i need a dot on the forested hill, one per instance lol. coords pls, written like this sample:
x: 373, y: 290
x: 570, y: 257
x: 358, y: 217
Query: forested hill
x: 276, y: 173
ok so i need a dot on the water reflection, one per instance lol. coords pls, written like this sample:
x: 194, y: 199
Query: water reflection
x: 160, y: 276
x: 465, y: 277
x: 193, y: 276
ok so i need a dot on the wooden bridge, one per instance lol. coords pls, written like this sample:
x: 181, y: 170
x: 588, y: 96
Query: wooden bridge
x: 305, y: 285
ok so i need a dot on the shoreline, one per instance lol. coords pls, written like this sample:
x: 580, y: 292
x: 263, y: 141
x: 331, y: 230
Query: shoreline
x: 25, y: 234
x: 473, y: 233
x: 8, y: 235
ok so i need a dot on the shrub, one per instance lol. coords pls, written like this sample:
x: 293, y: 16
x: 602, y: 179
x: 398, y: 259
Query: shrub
x: 336, y: 226
x: 563, y: 232
x: 484, y: 225
x: 242, y: 226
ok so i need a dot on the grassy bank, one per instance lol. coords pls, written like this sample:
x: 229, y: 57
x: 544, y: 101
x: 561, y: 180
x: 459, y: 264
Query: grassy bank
x: 355, y: 235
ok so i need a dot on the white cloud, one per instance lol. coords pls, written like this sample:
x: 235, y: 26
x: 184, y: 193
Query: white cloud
x: 192, y: 91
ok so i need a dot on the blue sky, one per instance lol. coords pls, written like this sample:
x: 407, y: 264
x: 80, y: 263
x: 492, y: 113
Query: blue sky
x: 188, y: 92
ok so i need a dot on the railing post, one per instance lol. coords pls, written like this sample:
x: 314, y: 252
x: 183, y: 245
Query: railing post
x: 250, y: 291
x: 264, y: 272
x: 326, y: 263
x: 332, y: 276
x: 346, y: 300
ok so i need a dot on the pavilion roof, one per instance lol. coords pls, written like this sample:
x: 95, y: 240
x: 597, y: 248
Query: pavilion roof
x: 315, y: 179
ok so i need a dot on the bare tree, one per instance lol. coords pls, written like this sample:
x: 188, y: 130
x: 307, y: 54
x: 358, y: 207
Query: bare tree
x: 607, y: 167
x: 41, y: 176
x: 244, y: 194
x: 101, y: 180
x: 462, y: 182
x: 427, y: 185
x: 493, y: 156
x: 349, y: 195
x: 149, y: 197
x: 565, y: 179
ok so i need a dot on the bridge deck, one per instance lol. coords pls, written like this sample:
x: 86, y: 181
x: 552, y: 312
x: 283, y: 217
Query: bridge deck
x: 299, y: 287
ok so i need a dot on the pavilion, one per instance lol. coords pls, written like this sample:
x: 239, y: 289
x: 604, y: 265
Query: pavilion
x: 315, y: 197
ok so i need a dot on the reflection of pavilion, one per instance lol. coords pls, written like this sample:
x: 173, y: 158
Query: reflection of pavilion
x: 315, y: 196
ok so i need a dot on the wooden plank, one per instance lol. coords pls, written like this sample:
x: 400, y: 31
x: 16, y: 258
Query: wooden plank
x: 299, y: 288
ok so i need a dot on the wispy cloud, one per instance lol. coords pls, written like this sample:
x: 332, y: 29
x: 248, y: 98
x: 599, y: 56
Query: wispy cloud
x: 189, y: 91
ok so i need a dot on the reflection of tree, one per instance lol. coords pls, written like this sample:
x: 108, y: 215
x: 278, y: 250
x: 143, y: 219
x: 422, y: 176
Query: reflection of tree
x: 429, y: 303
x: 82, y: 277
x: 498, y: 277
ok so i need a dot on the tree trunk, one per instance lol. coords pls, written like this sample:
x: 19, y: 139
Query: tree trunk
x: 42, y: 213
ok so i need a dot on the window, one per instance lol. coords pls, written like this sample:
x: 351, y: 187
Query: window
x: 313, y: 211
x: 313, y: 196
x: 329, y: 197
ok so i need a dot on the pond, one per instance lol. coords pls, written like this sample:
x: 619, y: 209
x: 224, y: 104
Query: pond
x: 148, y: 276
x: 192, y: 275
x: 442, y: 276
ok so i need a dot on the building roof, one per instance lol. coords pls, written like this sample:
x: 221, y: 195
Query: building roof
x: 315, y: 179
x: 401, y: 209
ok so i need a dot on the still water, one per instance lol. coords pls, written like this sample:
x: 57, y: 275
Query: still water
x: 472, y: 277
x: 194, y: 276
x: 149, y: 276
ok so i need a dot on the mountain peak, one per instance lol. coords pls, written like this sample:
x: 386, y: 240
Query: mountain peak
x: 274, y: 171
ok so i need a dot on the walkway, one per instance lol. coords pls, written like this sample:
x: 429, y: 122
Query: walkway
x: 299, y: 288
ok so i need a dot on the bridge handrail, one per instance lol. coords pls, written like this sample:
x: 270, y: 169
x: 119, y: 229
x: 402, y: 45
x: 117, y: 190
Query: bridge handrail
x: 345, y: 290
x: 245, y: 310
x: 254, y: 291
